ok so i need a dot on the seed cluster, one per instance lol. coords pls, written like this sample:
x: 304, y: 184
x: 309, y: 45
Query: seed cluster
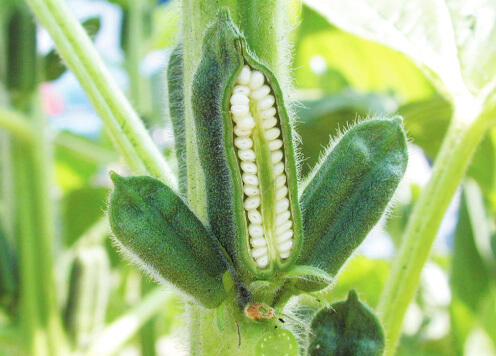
x: 250, y: 87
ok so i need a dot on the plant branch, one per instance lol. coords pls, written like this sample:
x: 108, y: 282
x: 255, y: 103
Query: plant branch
x: 123, y: 124
x: 451, y: 163
x: 16, y: 124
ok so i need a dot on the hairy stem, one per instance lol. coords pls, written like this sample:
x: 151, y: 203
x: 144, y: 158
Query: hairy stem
x: 451, y: 163
x: 238, y: 336
x: 121, y: 121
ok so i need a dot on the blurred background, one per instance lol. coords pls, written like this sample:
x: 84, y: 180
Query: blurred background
x: 338, y: 79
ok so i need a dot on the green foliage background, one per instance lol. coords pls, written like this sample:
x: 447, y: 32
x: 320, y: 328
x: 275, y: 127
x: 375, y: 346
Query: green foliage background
x: 338, y: 78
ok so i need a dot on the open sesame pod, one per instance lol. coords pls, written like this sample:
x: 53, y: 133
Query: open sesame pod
x: 347, y: 328
x: 89, y: 291
x: 157, y: 231
x: 349, y: 192
x: 246, y: 151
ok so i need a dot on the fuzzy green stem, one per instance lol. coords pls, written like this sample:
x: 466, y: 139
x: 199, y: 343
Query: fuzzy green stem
x: 238, y: 337
x: 457, y: 149
x: 123, y: 329
x: 123, y: 124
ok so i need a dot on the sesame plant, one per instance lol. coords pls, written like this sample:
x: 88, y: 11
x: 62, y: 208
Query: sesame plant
x: 249, y: 244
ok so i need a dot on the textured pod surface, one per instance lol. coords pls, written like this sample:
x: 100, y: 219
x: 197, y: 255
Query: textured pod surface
x: 89, y: 291
x: 349, y: 193
x: 175, y: 81
x: 246, y: 152
x: 156, y: 229
x: 347, y: 328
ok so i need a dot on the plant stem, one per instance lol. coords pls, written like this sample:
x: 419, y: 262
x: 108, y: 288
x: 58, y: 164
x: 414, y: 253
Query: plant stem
x: 123, y: 124
x: 16, y: 125
x: 238, y: 337
x: 34, y: 223
x: 451, y: 163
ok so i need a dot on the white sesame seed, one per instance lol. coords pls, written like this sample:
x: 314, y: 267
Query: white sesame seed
x: 249, y: 167
x: 266, y: 103
x: 254, y: 216
x: 250, y: 179
x: 252, y: 203
x: 239, y: 99
x: 245, y: 75
x: 260, y: 93
x: 246, y: 155
x: 282, y: 205
x: 256, y: 81
x: 243, y: 143
x: 275, y: 144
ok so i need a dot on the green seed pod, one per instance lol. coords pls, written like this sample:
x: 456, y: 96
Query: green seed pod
x: 349, y: 193
x: 175, y: 79
x: 246, y: 151
x: 347, y: 328
x: 157, y: 231
x: 89, y: 290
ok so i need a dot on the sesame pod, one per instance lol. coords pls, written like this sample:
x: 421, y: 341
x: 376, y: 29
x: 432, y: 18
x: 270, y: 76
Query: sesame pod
x: 89, y: 290
x: 8, y: 273
x: 246, y: 151
x: 347, y: 328
x: 349, y: 193
x: 175, y: 81
x: 157, y: 231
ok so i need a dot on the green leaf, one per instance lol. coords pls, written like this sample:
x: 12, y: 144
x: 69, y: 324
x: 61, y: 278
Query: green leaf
x: 349, y: 193
x: 347, y: 328
x: 426, y: 122
x: 81, y: 209
x: 323, y: 117
x: 449, y: 39
x: 157, y: 231
x: 469, y: 278
x: 332, y: 60
x: 54, y: 67
x: 279, y: 342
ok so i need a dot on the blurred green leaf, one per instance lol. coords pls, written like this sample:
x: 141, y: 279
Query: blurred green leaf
x: 451, y: 39
x: 78, y: 159
x: 426, y: 122
x: 365, y: 275
x: 54, y: 67
x: 469, y: 276
x: 81, y: 208
x: 330, y: 59
x: 325, y: 117
x: 165, y: 25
